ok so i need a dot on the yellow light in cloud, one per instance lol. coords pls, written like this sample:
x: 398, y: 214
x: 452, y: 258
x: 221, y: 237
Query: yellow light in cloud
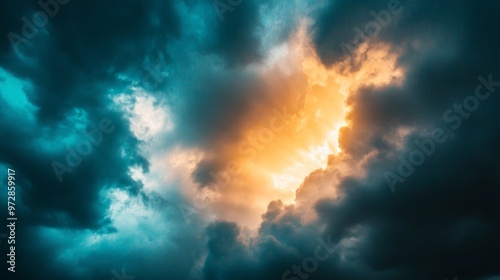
x: 313, y: 136
x: 278, y: 167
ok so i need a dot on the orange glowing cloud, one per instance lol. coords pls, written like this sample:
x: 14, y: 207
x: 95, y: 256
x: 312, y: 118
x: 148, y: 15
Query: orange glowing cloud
x: 294, y: 128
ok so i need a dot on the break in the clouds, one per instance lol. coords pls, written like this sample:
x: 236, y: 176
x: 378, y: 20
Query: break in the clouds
x: 247, y: 139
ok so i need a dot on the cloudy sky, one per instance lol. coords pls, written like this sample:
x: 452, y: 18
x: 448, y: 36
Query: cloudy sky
x: 245, y: 139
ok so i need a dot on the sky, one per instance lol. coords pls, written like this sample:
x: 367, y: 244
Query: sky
x: 245, y: 139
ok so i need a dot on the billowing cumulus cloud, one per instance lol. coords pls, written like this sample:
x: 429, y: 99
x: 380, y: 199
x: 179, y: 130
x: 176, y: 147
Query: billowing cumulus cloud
x: 251, y: 139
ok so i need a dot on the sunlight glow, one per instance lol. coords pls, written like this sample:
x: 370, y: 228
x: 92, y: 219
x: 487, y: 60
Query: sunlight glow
x: 324, y: 110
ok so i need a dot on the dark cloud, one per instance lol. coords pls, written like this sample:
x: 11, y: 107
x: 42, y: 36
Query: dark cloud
x: 235, y: 35
x: 441, y: 222
x: 72, y: 65
x: 84, y: 48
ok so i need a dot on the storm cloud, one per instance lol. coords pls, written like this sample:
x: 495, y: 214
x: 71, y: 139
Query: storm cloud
x: 195, y: 181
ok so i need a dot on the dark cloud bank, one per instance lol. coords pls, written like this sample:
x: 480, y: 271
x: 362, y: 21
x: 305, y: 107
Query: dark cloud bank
x: 441, y: 222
